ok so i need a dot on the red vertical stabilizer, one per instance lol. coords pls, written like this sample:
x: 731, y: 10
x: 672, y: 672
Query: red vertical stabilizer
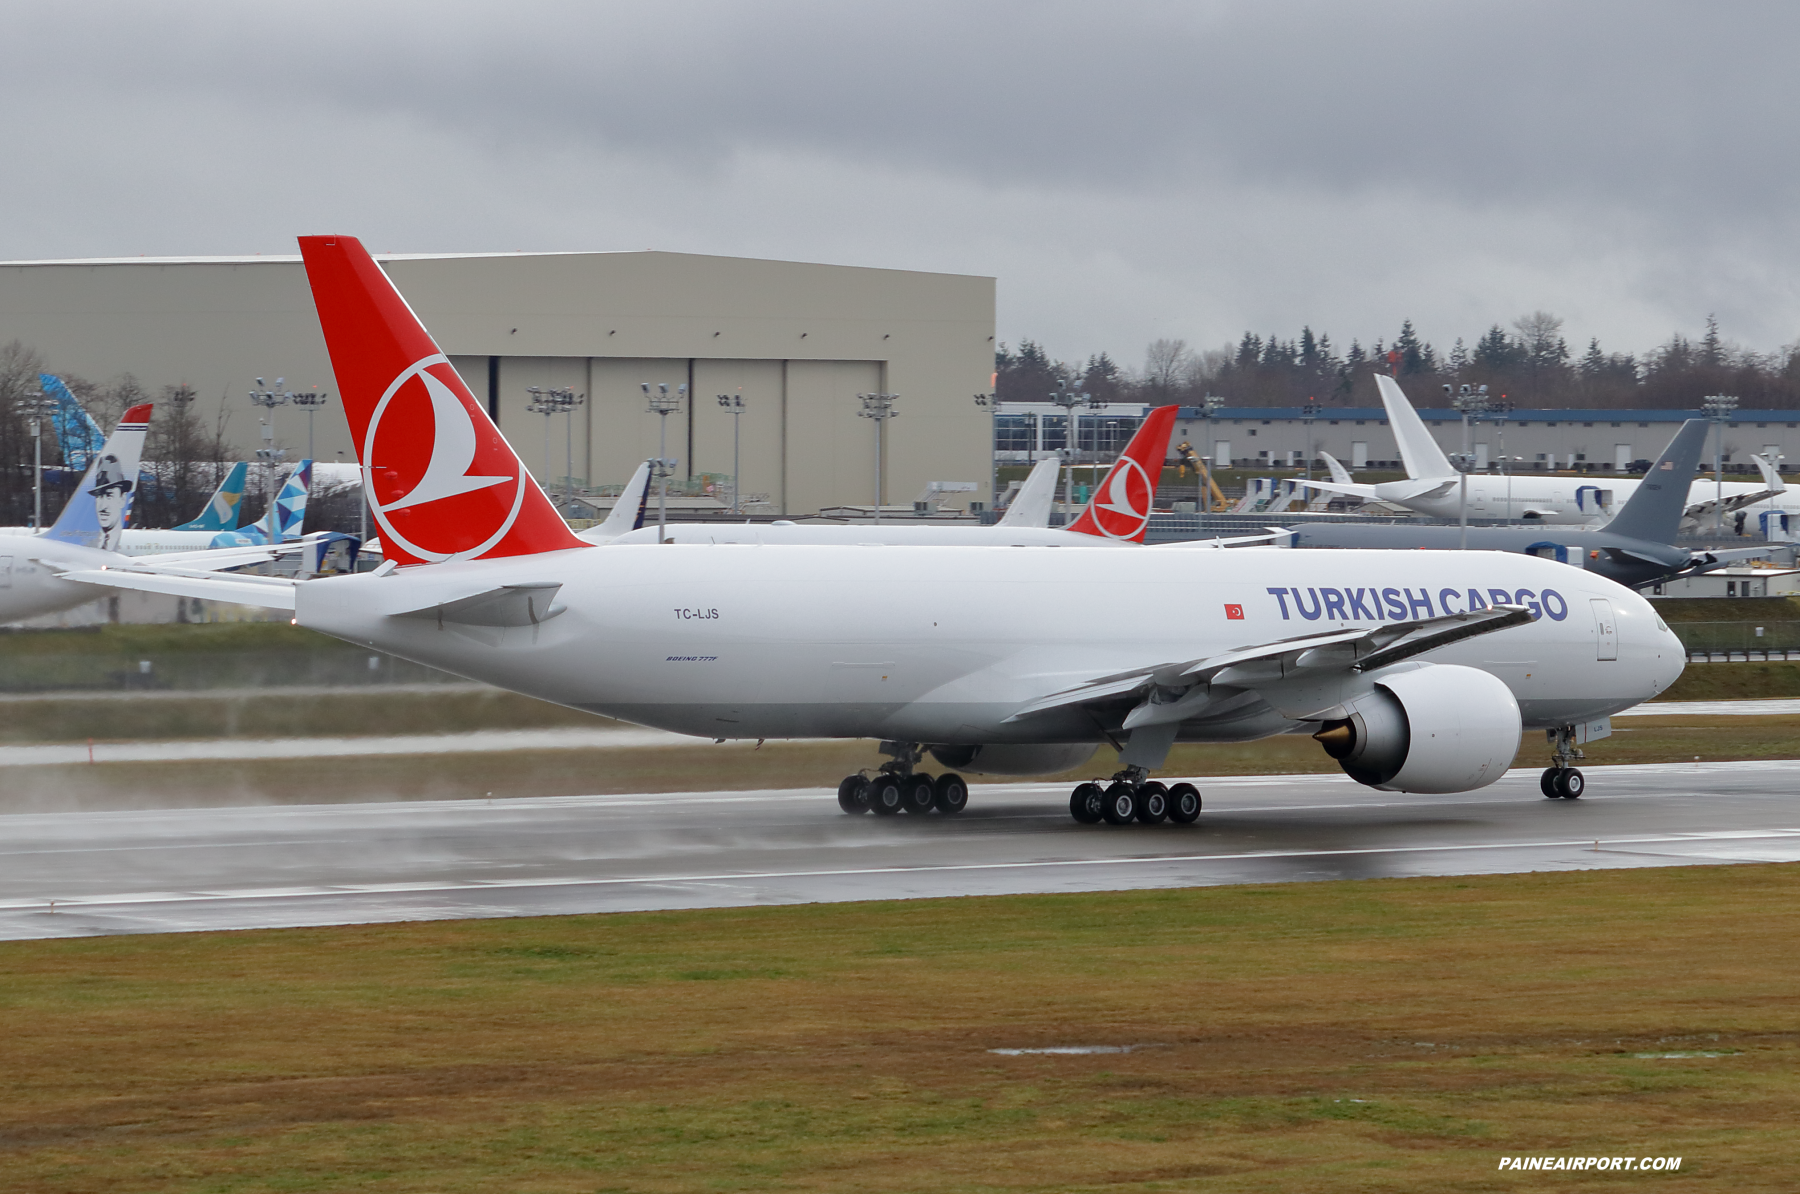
x: 1120, y: 507
x: 442, y: 483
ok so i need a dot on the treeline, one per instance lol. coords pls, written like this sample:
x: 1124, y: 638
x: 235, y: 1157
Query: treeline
x: 1528, y: 365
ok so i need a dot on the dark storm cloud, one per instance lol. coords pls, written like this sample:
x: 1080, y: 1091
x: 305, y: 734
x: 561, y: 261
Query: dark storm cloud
x: 1216, y: 163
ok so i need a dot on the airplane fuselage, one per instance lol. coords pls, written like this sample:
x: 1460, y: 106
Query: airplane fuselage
x: 1557, y: 500
x: 944, y: 645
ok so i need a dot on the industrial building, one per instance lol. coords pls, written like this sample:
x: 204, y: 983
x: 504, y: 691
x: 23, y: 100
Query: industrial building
x: 798, y: 341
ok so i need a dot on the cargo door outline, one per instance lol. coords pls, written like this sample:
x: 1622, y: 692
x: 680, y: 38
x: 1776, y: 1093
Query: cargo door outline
x: 1606, y: 629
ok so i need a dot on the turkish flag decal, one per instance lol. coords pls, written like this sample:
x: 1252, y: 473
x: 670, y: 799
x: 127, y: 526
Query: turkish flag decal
x: 1234, y: 613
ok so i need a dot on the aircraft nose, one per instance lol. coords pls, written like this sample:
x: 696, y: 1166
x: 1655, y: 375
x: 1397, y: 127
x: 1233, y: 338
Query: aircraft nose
x: 1672, y: 656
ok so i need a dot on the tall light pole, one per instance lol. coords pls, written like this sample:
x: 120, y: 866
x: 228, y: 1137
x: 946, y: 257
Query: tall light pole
x: 1308, y: 413
x: 562, y: 401
x: 37, y: 404
x: 269, y: 399
x: 1472, y: 403
x: 1069, y: 399
x: 879, y: 407
x: 311, y: 400
x: 1719, y: 408
x: 735, y: 404
x: 991, y: 403
x: 661, y: 402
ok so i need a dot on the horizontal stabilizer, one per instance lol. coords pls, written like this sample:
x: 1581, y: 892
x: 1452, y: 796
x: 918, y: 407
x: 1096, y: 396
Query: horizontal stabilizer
x: 268, y: 592
x: 509, y: 605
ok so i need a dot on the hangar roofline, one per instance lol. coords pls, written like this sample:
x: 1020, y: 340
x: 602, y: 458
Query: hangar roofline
x: 294, y: 259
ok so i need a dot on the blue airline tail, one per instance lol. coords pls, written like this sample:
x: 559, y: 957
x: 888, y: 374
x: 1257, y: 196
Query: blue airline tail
x: 76, y: 430
x: 226, y: 504
x: 286, y: 518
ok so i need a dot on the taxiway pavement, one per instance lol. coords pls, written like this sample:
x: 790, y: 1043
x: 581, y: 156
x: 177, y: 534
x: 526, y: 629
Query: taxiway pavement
x: 170, y: 870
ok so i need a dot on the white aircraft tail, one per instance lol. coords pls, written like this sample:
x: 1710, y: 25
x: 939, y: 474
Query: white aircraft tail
x: 627, y: 513
x: 1031, y: 505
x: 1418, y: 451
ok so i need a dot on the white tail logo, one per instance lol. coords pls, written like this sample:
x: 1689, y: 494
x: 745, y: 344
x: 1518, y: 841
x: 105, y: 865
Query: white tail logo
x: 453, y: 449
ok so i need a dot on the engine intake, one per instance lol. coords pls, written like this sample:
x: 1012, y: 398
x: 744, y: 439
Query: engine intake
x: 1435, y: 728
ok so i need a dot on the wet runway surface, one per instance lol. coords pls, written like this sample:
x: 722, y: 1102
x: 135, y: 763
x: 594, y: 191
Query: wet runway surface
x: 171, y: 870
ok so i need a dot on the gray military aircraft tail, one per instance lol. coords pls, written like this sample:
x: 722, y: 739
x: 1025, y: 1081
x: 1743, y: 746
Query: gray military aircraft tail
x: 1636, y: 548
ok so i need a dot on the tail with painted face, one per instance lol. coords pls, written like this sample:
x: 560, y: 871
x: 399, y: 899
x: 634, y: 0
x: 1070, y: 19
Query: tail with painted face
x: 96, y: 514
x: 225, y: 505
x: 1120, y: 507
x: 443, y: 484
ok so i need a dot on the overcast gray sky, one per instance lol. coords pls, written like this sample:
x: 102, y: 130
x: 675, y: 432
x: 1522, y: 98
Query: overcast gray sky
x: 1128, y: 170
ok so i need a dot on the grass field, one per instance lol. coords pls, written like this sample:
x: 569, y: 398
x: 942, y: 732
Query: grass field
x: 1389, y: 1035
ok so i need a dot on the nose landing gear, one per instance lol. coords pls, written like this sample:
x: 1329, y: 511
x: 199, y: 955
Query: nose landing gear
x: 1561, y: 780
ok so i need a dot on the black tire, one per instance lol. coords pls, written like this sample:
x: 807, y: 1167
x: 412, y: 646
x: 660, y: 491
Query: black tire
x: 1572, y: 784
x: 1087, y: 803
x: 918, y: 794
x: 952, y: 795
x: 1153, y: 803
x: 1547, y: 782
x: 1120, y: 804
x: 884, y: 796
x: 1184, y: 804
x: 853, y: 795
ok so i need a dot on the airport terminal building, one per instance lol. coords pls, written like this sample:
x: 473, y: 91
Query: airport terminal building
x: 798, y: 341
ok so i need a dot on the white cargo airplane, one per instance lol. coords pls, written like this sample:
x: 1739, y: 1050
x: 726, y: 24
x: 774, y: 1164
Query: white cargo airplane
x: 1433, y: 486
x: 1416, y: 670
x: 1118, y: 513
x: 35, y: 569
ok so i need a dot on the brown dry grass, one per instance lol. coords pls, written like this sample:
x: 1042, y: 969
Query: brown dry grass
x: 1378, y: 1036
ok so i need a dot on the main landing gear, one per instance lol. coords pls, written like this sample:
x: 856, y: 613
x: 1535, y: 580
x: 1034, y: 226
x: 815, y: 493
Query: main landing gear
x: 896, y: 788
x: 1561, y: 781
x: 1130, y: 797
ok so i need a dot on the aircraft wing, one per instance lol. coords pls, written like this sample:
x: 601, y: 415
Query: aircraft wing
x: 1171, y: 692
x: 1698, y: 513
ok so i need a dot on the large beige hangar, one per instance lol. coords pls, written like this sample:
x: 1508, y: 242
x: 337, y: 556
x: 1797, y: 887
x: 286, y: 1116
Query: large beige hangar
x: 799, y: 341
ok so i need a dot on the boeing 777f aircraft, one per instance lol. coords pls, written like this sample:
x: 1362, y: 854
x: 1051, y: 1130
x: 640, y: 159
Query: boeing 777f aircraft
x: 1415, y: 670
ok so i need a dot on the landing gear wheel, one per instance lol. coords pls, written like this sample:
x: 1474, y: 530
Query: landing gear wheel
x: 1087, y: 803
x: 1153, y: 803
x: 1120, y: 804
x: 1184, y: 804
x: 1570, y: 784
x: 952, y: 794
x: 1547, y: 782
x: 918, y: 793
x: 884, y: 796
x: 853, y: 795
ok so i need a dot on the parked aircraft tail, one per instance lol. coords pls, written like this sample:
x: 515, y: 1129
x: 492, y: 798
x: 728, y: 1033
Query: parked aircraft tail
x: 285, y: 519
x: 442, y: 482
x: 627, y: 513
x: 101, y: 505
x: 1653, y: 512
x: 1120, y: 508
x: 1031, y: 505
x: 76, y: 430
x: 1418, y: 451
x: 224, y: 507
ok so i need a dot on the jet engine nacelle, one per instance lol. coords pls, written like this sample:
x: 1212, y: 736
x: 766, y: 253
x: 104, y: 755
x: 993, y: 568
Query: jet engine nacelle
x: 1436, y: 728
x: 1033, y: 759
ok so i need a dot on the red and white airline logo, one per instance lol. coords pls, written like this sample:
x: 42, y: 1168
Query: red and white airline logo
x: 1234, y: 613
x: 1122, y: 508
x: 438, y: 496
